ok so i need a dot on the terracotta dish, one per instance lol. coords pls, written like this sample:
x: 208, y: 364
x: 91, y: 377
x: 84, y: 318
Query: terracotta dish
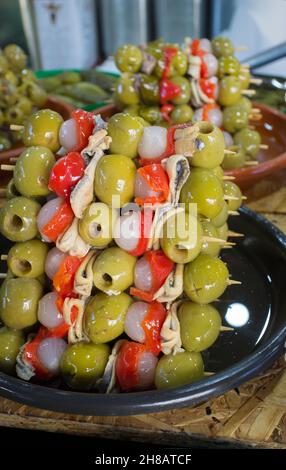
x: 272, y: 128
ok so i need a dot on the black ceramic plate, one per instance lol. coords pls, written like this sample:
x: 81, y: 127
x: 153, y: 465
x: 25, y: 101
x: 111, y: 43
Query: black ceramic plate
x: 256, y: 310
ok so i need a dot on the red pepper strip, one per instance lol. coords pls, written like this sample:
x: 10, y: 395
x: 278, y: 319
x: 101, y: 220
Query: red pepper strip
x: 126, y: 367
x: 66, y: 172
x: 63, y: 280
x: 157, y: 180
x: 168, y: 90
x: 170, y: 149
x: 208, y: 87
x: 204, y: 69
x: 60, y: 221
x: 195, y: 46
x: 166, y: 111
x: 160, y: 267
x: 152, y: 325
x: 205, y: 110
x: 146, y: 218
x: 169, y: 53
x: 30, y: 354
x: 84, y: 124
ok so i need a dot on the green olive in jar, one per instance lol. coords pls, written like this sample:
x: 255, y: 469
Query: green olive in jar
x: 209, y: 143
x: 104, y: 317
x: 113, y: 270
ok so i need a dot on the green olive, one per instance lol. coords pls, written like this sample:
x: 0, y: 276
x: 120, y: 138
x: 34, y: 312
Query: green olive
x: 205, y: 279
x: 178, y: 65
x: 233, y: 195
x: 223, y: 231
x: 222, y: 47
x: 218, y: 172
x: 236, y: 159
x: 25, y: 105
x: 235, y: 118
x: 128, y: 58
x: 210, y: 144
x: 4, y: 64
x: 18, y: 219
x: 228, y: 65
x: 42, y: 128
x: 181, y: 238
x: 12, y: 77
x: 16, y: 57
x: 181, y: 114
x: 113, y: 270
x: 125, y: 91
x: 204, y: 189
x: 115, y: 177
x: 14, y: 115
x: 19, y: 302
x: 11, y: 190
x: 37, y: 94
x: 209, y: 247
x: 104, y: 316
x: 82, y: 365
x: 244, y: 78
x: 126, y: 132
x: 149, y: 89
x: 199, y: 325
x: 28, y: 75
x: 10, y: 343
x: 185, y: 90
x: 151, y: 114
x: 249, y: 141
x: 32, y: 171
x: 178, y: 370
x: 229, y: 91
x: 245, y: 103
x: 222, y: 217
x: 96, y: 226
x: 27, y: 259
x: 132, y: 110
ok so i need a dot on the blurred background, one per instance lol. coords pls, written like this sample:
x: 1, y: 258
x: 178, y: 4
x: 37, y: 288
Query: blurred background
x: 81, y: 33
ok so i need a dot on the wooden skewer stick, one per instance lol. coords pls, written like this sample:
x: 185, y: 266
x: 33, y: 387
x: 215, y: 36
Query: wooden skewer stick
x: 251, y: 162
x: 228, y: 178
x: 244, y: 198
x: 241, y: 48
x: 233, y: 213
x: 245, y: 66
x: 208, y: 374
x: 232, y: 282
x: 229, y: 152
x: 7, y: 167
x: 217, y: 240
x: 255, y: 117
x: 230, y: 198
x: 226, y: 247
x: 248, y: 92
x: 16, y: 127
x: 256, y: 81
x: 3, y: 275
x: 4, y: 257
x: 264, y: 146
x: 255, y: 110
x: 226, y: 328
x: 230, y: 233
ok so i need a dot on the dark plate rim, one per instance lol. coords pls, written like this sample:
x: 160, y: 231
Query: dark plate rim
x: 154, y: 400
